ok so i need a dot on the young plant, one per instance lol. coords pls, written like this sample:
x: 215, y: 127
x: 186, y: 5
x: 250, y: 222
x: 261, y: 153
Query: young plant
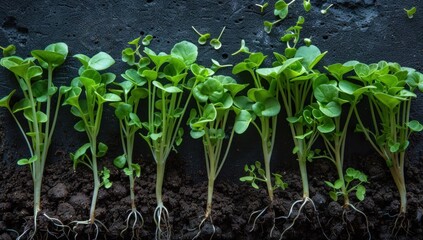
x: 129, y: 124
x: 307, y: 5
x: 257, y: 174
x: 209, y: 121
x: 326, y: 10
x: 354, y: 180
x: 36, y: 107
x: 87, y: 96
x: 392, y: 91
x: 163, y: 77
x: 292, y: 37
x: 260, y: 108
x: 262, y: 6
x: 203, y: 37
x: 242, y: 49
x: 410, y: 12
x: 215, y: 42
x: 294, y: 76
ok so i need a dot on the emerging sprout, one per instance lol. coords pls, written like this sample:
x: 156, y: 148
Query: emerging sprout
x: 262, y: 7
x: 307, y: 5
x: 203, y: 37
x: 269, y: 25
x: 8, y: 51
x: 215, y: 42
x: 147, y: 39
x: 410, y: 12
x: 242, y: 49
x: 307, y: 41
x: 216, y: 65
x: 325, y: 10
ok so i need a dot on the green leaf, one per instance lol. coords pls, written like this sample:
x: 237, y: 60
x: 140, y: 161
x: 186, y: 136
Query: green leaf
x: 167, y: 88
x: 196, y: 134
x: 332, y: 109
x: 185, y: 51
x: 242, y: 121
x: 102, y: 149
x: 246, y: 179
x: 333, y: 195
x: 329, y: 184
x: 120, y: 161
x: 360, y: 192
x: 33, y: 72
x: 123, y: 110
x: 83, y: 59
x: 21, y: 105
x: 390, y: 101
x: 147, y: 39
x: 81, y: 151
x: 101, y: 61
x: 311, y: 55
x: 25, y: 161
x: 325, y: 93
x: 326, y: 126
x: 269, y: 108
x: 80, y: 126
x: 338, y: 184
x: 410, y: 12
x: 111, y: 97
x: 415, y: 126
x: 301, y: 137
x: 9, y: 50
x: 5, y: 101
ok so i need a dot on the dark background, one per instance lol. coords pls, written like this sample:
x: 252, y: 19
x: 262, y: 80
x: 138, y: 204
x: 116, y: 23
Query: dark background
x: 364, y: 30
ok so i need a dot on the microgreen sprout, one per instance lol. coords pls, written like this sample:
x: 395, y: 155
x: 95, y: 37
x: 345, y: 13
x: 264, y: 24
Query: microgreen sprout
x: 292, y: 37
x: 325, y: 10
x: 262, y: 6
x: 257, y: 173
x: 410, y: 12
x: 216, y: 65
x: 203, y: 37
x: 36, y: 107
x: 307, y: 41
x: 268, y: 26
x: 86, y: 97
x: 215, y: 42
x: 354, y: 180
x: 9, y: 50
x: 147, y: 40
x: 281, y: 9
x: 209, y: 121
x: 307, y: 5
x: 242, y: 49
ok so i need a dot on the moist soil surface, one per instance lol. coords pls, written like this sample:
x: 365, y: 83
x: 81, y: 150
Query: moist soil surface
x: 66, y: 196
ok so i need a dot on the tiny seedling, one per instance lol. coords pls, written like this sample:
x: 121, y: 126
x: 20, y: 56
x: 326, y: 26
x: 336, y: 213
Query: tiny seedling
x: 9, y: 50
x: 86, y: 96
x: 410, y: 12
x: 203, y: 37
x: 36, y: 107
x: 242, y: 49
x: 292, y: 37
x: 215, y: 42
x: 326, y: 10
x: 262, y: 6
x: 147, y: 40
x: 257, y: 174
x: 354, y: 180
x: 216, y: 65
x: 307, y: 5
x: 281, y: 8
x: 268, y: 26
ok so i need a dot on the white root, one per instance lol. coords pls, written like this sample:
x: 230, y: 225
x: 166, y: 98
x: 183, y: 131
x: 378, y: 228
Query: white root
x: 261, y: 212
x: 137, y: 218
x: 88, y: 223
x: 161, y: 217
x: 200, y: 226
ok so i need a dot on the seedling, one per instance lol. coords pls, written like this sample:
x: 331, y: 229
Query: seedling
x: 260, y: 108
x: 325, y: 10
x: 147, y: 40
x: 35, y: 107
x: 262, y: 6
x: 163, y: 78
x: 129, y: 124
x: 214, y: 96
x: 352, y: 177
x: 292, y: 37
x: 281, y: 9
x: 215, y: 42
x: 410, y: 12
x: 216, y: 65
x: 257, y: 174
x: 390, y: 100
x: 242, y: 49
x: 203, y: 37
x: 294, y: 76
x: 307, y: 5
x: 86, y: 96
x: 8, y: 51
x: 268, y: 26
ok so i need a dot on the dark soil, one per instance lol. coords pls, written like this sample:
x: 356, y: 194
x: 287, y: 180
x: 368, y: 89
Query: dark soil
x: 66, y: 196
